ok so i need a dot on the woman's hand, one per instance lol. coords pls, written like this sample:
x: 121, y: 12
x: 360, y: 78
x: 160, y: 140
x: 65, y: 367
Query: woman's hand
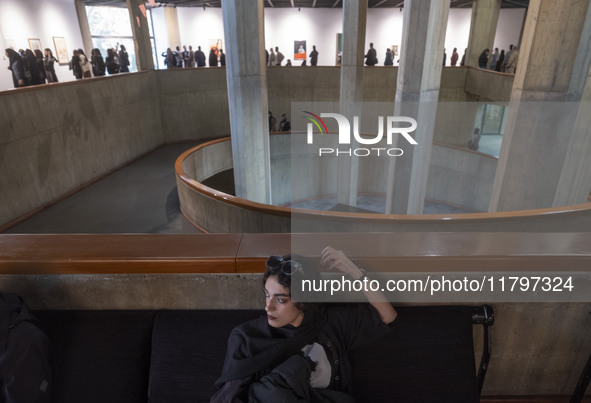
x: 335, y: 259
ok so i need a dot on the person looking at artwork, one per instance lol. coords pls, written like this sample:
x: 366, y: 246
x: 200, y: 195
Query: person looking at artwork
x: 222, y: 58
x: 454, y: 57
x: 272, y: 60
x: 272, y: 123
x: 278, y: 56
x: 191, y: 60
x: 40, y: 66
x: 123, y: 59
x: 200, y: 57
x: 32, y: 67
x: 84, y: 64
x: 48, y: 64
x: 75, y: 65
x: 98, y: 64
x: 388, y: 61
x: 371, y: 57
x: 213, y: 58
x: 483, y: 59
x: 16, y: 67
x: 299, y: 351
x: 112, y: 67
x: 314, y: 56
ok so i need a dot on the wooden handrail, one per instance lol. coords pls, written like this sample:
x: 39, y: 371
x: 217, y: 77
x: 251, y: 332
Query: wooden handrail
x: 399, y: 218
x: 247, y: 253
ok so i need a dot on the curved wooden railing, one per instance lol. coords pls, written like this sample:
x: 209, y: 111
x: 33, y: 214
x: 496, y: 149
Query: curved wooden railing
x: 53, y: 254
x: 560, y: 219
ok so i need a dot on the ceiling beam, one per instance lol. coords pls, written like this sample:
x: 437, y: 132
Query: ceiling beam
x: 314, y: 4
x: 292, y: 6
x: 336, y: 3
x: 270, y: 3
x: 380, y: 3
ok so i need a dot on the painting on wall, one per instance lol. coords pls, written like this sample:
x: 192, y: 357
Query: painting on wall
x: 61, y: 52
x: 299, y: 50
x: 216, y: 45
x: 395, y: 50
x: 34, y: 44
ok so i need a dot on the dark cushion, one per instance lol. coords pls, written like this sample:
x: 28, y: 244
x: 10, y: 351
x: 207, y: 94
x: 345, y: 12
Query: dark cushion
x: 99, y: 356
x: 188, y: 351
x: 428, y: 357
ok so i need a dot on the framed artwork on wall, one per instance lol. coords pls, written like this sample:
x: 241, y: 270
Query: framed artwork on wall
x: 299, y: 50
x: 216, y: 45
x: 34, y: 44
x: 61, y: 52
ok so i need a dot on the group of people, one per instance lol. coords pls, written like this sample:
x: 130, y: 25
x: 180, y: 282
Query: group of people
x: 187, y: 58
x: 31, y: 68
x: 116, y: 62
x: 284, y: 124
x: 502, y: 62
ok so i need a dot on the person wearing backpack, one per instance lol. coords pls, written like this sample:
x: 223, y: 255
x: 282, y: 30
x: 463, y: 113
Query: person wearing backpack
x: 25, y: 372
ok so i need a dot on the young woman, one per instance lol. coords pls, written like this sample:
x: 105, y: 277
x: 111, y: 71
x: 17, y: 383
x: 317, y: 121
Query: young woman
x: 48, y: 63
x: 298, y: 352
x: 17, y: 67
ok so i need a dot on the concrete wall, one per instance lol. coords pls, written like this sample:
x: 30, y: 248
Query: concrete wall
x: 57, y: 138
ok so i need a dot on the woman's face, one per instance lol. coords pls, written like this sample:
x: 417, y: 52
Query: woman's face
x: 280, y: 308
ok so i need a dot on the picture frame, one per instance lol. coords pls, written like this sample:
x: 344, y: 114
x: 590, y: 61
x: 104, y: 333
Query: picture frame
x: 61, y: 52
x: 299, y: 50
x: 34, y: 44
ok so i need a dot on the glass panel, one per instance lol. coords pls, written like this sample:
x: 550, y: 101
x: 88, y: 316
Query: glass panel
x: 105, y: 43
x: 108, y: 21
x: 493, y: 119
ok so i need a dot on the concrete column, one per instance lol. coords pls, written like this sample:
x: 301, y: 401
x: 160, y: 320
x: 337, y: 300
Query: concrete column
x: 84, y: 27
x: 538, y: 135
x: 141, y: 34
x: 354, y: 26
x: 483, y: 27
x: 574, y: 183
x: 172, y: 27
x: 247, y: 98
x: 417, y: 93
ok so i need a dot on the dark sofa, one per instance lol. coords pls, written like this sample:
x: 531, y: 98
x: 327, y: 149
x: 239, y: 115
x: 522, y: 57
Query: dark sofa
x: 175, y: 356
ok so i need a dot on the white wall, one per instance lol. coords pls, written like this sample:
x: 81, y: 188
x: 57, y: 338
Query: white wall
x: 23, y: 19
x: 509, y: 28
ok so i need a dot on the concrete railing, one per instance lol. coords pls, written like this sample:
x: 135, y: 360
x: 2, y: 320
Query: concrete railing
x: 215, y: 211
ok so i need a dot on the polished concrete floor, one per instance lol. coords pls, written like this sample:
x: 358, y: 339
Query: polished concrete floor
x: 142, y: 198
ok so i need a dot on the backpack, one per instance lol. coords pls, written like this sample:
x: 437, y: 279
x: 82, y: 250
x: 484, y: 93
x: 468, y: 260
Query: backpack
x: 25, y: 374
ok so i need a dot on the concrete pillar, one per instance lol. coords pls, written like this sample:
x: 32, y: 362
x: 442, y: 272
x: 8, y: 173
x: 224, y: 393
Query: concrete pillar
x: 141, y: 34
x: 247, y: 98
x: 574, y: 183
x: 172, y: 27
x: 483, y: 27
x: 417, y: 93
x: 84, y: 27
x: 354, y: 26
x: 537, y: 134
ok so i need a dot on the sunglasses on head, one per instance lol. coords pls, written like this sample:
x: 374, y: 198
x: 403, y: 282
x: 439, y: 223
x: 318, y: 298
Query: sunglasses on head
x: 287, y: 267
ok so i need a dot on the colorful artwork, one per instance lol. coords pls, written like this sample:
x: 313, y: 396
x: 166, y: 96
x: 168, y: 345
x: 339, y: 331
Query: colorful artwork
x: 216, y: 45
x: 61, y: 52
x: 299, y: 50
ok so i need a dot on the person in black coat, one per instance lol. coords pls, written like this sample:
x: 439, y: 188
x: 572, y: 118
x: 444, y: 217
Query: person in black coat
x: 32, y: 67
x: 112, y: 66
x: 75, y: 65
x: 98, y: 64
x: 200, y: 57
x: 213, y: 58
x: 17, y: 67
x: 500, y: 61
x: 40, y: 66
x: 314, y: 56
x: 123, y: 60
x: 483, y: 59
x: 222, y: 58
